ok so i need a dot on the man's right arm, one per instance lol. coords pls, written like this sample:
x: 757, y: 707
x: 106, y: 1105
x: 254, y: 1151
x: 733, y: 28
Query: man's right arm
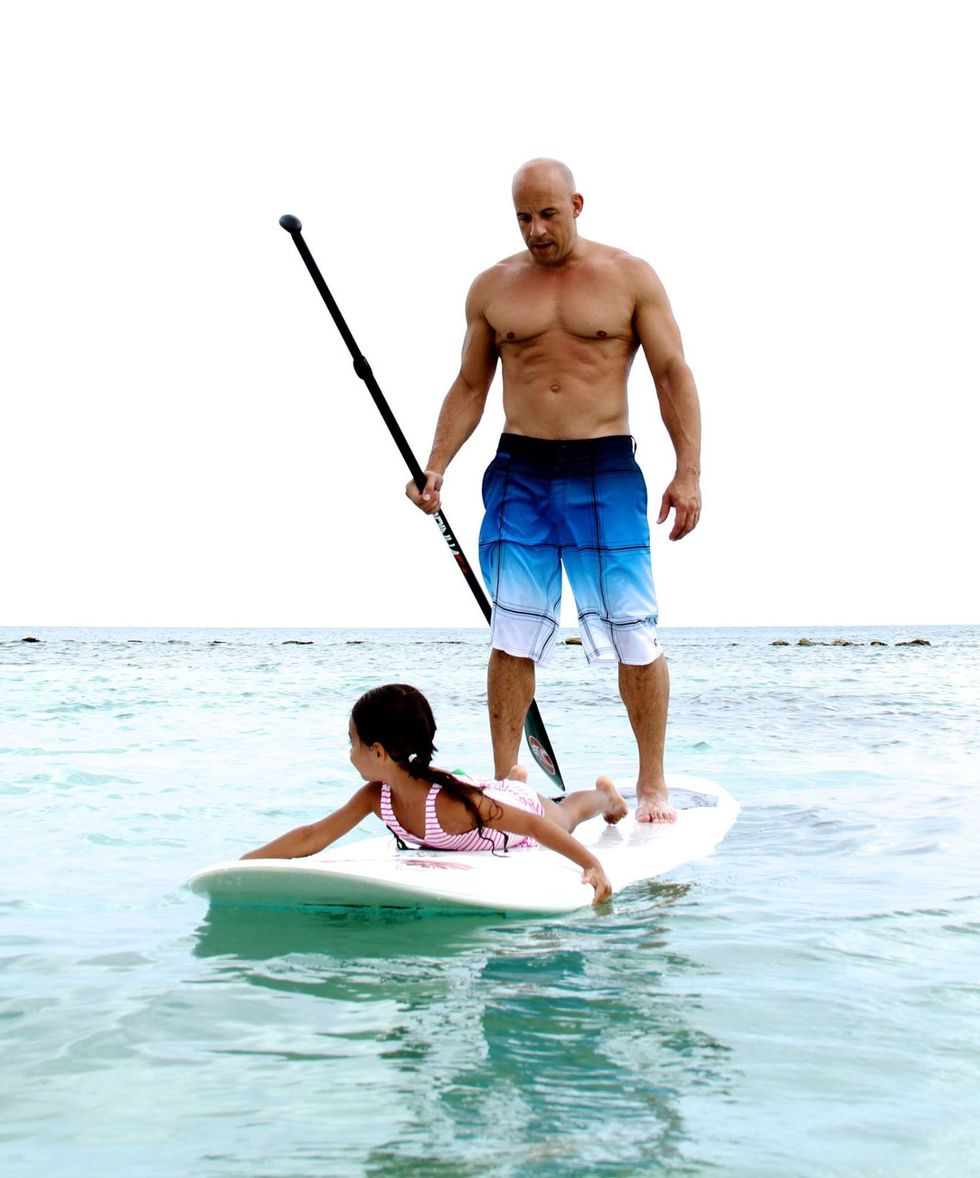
x: 464, y: 403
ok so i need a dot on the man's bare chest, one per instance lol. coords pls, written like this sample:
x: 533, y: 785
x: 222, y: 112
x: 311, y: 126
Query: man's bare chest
x: 521, y: 312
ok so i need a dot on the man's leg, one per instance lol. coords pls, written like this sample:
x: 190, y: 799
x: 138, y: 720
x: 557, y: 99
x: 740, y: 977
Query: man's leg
x: 510, y: 689
x: 646, y: 691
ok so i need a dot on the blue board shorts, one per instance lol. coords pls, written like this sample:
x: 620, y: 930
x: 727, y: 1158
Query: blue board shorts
x: 581, y: 504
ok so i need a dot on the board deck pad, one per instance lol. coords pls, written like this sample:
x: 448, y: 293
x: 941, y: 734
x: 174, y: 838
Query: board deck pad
x: 373, y: 873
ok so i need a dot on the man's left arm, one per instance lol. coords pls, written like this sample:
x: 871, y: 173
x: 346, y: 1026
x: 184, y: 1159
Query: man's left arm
x: 660, y: 339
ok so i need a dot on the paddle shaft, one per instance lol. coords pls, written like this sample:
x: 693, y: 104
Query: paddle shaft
x: 537, y: 736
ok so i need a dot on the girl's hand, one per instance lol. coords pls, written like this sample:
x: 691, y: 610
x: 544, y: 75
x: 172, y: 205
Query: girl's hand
x: 600, y: 881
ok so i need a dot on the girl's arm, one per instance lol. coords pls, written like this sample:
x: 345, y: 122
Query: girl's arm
x: 307, y: 840
x: 549, y: 834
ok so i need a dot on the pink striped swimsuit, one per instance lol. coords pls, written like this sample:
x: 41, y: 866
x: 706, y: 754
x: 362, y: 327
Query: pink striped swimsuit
x: 512, y: 793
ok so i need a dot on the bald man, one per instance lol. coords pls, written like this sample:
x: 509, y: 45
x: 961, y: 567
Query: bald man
x: 566, y: 317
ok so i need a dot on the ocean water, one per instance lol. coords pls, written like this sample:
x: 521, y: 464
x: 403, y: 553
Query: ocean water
x: 804, y: 1002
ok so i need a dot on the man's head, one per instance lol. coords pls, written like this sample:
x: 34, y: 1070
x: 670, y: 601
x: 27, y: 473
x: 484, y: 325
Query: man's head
x: 547, y: 206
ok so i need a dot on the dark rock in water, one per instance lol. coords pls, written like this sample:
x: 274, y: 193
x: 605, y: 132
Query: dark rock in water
x: 574, y: 640
x: 845, y: 642
x: 30, y: 640
x: 915, y: 642
x: 878, y: 642
x: 806, y: 642
x: 779, y: 642
x: 298, y: 642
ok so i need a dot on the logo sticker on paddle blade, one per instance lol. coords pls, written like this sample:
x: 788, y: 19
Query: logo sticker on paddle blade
x: 541, y: 755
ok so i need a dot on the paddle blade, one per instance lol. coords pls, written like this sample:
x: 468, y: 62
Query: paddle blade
x: 540, y: 745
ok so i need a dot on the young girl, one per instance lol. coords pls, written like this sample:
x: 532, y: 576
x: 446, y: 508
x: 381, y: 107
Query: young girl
x: 391, y: 731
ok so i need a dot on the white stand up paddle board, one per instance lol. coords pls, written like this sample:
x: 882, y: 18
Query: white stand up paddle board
x: 373, y: 873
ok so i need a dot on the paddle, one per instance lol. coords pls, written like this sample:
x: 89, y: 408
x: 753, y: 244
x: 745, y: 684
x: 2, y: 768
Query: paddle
x: 534, y: 730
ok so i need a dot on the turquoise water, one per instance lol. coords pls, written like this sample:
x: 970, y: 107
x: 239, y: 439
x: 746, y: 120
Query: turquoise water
x: 804, y: 1002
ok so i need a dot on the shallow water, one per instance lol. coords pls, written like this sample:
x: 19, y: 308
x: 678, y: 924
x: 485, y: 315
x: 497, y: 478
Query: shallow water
x: 803, y: 1002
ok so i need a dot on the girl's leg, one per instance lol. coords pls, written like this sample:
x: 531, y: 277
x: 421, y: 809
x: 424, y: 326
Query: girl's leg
x: 581, y: 805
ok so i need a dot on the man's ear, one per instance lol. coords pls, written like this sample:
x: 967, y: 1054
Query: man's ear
x: 578, y: 201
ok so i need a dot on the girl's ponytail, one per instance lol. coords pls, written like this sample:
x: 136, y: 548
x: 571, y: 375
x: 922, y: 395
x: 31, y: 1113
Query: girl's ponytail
x: 398, y: 717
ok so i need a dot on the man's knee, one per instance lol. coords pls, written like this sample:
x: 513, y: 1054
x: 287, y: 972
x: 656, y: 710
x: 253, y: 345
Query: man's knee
x: 510, y: 661
x: 654, y: 667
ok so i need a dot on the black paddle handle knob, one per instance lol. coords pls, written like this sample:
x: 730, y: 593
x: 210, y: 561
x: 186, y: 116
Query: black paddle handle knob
x: 290, y: 223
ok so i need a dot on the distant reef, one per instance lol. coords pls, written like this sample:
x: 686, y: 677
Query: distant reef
x: 848, y: 642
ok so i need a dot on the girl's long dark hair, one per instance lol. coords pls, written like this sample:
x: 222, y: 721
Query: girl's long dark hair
x: 398, y: 717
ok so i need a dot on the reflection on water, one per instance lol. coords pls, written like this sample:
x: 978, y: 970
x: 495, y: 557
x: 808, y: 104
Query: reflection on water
x: 466, y: 1022
x: 258, y: 934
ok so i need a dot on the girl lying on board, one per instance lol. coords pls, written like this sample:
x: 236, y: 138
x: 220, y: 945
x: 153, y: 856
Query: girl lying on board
x: 391, y: 732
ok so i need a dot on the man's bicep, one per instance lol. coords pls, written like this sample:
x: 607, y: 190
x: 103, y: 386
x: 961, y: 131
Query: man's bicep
x: 479, y: 358
x: 656, y: 327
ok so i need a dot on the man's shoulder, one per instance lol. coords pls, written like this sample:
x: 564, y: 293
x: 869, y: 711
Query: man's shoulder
x: 505, y: 267
x: 619, y: 259
x: 499, y: 273
x: 632, y: 274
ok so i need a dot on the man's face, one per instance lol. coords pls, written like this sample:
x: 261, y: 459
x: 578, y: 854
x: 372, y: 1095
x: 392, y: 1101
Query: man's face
x: 546, y: 214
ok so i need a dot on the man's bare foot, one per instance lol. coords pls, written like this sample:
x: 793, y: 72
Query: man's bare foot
x: 616, y: 807
x: 517, y: 773
x: 653, y: 807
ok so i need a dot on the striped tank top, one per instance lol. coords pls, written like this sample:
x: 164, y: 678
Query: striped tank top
x: 512, y: 793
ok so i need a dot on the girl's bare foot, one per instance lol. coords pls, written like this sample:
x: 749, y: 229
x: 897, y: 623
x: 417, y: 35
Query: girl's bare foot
x: 616, y: 807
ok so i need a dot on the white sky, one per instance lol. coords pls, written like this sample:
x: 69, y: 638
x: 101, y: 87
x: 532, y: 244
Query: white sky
x: 185, y: 441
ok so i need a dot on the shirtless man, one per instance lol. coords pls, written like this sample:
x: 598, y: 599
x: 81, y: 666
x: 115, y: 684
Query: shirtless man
x: 566, y: 318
